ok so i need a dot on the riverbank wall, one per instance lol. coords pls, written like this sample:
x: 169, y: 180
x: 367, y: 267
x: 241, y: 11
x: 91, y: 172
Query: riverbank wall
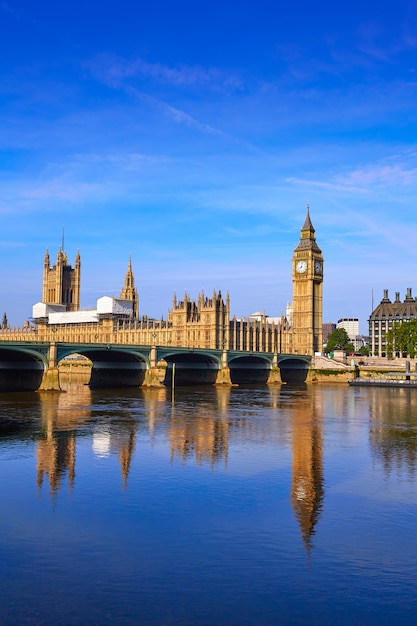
x: 342, y: 368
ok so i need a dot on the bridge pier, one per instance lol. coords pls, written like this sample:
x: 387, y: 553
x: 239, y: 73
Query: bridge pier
x: 223, y: 375
x: 50, y: 378
x: 274, y: 377
x: 152, y: 374
x: 152, y: 378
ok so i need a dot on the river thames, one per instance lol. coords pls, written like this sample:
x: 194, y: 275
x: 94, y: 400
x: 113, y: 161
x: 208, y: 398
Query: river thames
x: 266, y: 505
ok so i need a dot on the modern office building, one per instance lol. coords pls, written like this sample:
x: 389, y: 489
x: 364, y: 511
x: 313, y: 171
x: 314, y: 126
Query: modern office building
x: 351, y: 326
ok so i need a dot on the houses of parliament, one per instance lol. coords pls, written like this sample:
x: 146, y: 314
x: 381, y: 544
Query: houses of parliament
x: 204, y: 323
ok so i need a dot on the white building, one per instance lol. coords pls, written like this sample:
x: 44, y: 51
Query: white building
x: 351, y: 326
x: 106, y: 306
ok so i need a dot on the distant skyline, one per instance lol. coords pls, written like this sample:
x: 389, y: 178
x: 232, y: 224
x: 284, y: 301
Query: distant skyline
x: 191, y: 135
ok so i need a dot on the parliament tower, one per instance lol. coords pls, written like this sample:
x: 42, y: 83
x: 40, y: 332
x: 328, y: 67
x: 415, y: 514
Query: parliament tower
x: 61, y: 283
x: 307, y: 276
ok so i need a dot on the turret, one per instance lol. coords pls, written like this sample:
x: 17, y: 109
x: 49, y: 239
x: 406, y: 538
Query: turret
x: 61, y: 283
x: 76, y: 283
x: 46, y: 268
x: 129, y: 292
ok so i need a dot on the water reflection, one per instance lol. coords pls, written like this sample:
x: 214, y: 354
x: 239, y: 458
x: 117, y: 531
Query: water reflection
x: 393, y: 429
x: 202, y: 434
x: 202, y: 426
x: 307, y: 489
x: 155, y: 400
x: 55, y: 458
x: 61, y: 415
x: 203, y: 510
x: 199, y: 426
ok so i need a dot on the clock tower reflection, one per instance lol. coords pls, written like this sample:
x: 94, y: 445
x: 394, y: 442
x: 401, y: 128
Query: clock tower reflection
x: 307, y: 490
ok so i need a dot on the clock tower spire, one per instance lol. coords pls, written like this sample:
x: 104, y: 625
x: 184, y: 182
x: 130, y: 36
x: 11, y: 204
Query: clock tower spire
x: 307, y: 276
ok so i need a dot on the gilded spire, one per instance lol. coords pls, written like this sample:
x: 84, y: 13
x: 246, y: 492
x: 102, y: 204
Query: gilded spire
x: 308, y: 226
x: 308, y: 235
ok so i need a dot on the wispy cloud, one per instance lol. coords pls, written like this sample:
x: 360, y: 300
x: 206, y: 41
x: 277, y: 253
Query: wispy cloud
x: 371, y: 177
x: 384, y: 44
x: 6, y: 8
x: 119, y: 73
x: 176, y: 115
x: 356, y: 55
x: 59, y: 190
x: 321, y: 184
x: 113, y: 70
x: 384, y: 175
x: 130, y: 161
x: 17, y: 15
x: 116, y: 76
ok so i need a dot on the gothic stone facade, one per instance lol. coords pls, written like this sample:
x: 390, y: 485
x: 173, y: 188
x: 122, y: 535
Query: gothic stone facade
x: 204, y: 323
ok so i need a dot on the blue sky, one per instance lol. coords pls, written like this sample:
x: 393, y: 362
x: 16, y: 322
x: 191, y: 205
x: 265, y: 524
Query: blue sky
x: 191, y: 135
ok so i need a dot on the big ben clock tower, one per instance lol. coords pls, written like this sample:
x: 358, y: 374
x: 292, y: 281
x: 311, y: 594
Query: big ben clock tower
x: 307, y: 277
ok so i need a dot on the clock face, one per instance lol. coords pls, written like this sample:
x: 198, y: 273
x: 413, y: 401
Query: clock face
x: 317, y: 267
x: 301, y: 267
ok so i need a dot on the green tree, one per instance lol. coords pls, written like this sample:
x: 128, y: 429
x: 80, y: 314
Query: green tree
x: 402, y: 338
x: 363, y: 351
x: 339, y: 340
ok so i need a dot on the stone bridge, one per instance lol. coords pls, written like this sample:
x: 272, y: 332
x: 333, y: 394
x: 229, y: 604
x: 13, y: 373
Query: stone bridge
x: 32, y: 365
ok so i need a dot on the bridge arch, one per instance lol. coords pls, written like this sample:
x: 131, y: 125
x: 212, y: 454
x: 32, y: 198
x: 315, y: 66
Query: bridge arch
x: 22, y: 367
x: 111, y: 366
x: 251, y: 368
x: 199, y: 367
x: 294, y: 368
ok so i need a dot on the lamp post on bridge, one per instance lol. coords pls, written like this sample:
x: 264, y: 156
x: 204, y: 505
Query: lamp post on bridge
x: 152, y: 356
x: 224, y: 352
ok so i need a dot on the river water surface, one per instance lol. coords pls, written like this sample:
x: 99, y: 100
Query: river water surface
x: 246, y: 506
